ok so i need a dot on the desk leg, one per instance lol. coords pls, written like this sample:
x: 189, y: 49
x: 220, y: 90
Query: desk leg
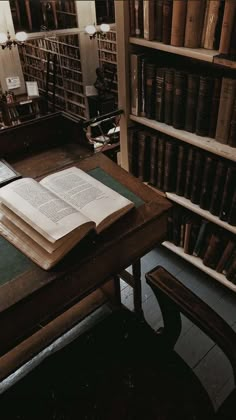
x: 136, y: 268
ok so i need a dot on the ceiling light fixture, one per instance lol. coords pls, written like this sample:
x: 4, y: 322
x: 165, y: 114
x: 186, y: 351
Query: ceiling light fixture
x: 92, y: 31
x: 7, y: 42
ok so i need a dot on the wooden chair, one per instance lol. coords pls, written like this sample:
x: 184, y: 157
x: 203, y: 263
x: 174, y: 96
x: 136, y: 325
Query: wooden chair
x: 122, y: 370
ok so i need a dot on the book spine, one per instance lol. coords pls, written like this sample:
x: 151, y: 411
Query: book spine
x: 143, y: 156
x: 214, y: 106
x: 142, y: 88
x: 228, y: 192
x: 169, y: 87
x: 188, y: 227
x: 197, y: 177
x: 211, y: 256
x: 153, y: 158
x: 218, y: 188
x: 191, y: 102
x: 178, y: 23
x: 138, y: 21
x: 159, y: 20
x: 181, y: 169
x: 213, y: 12
x: 166, y: 21
x: 200, y: 238
x: 232, y: 211
x: 135, y: 83
x: 225, y: 256
x: 189, y: 172
x: 229, y: 262
x: 132, y: 18
x: 150, y: 80
x: 133, y: 152
x: 227, y: 96
x: 149, y: 19
x: 207, y: 183
x: 169, y: 165
x: 227, y: 26
x: 179, y: 95
x: 160, y: 161
x: 232, y: 131
x: 160, y: 93
x: 204, y: 105
x: 205, y: 23
x: 194, y: 23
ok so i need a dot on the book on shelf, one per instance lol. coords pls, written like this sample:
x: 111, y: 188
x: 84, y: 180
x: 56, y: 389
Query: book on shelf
x: 143, y: 155
x: 214, y: 250
x: 150, y: 85
x: 189, y: 172
x: 153, y: 158
x: 168, y: 96
x: 229, y: 249
x: 187, y: 234
x: 181, y: 169
x: 214, y: 106
x: 207, y: 182
x: 232, y: 130
x: 178, y: 23
x: 229, y: 262
x: 231, y: 271
x: 228, y: 192
x: 204, y: 105
x: 7, y: 173
x: 191, y: 102
x: 166, y: 21
x: 196, y: 179
x: 169, y: 166
x: 218, y: 187
x: 232, y: 212
x: 227, y: 97
x: 194, y: 23
x: 160, y: 161
x: 227, y: 26
x: 160, y: 92
x: 133, y: 151
x: 46, y: 219
x: 179, y: 99
x: 198, y: 246
x: 159, y: 19
x: 135, y: 71
x: 136, y: 18
x: 149, y: 18
x: 211, y: 19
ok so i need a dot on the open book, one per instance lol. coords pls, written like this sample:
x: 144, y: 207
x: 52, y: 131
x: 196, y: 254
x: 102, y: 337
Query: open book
x: 46, y: 219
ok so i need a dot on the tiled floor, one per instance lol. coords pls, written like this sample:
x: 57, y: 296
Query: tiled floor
x: 204, y: 357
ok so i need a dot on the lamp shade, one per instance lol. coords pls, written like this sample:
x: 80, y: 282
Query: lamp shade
x: 105, y: 27
x: 21, y: 36
x: 90, y: 29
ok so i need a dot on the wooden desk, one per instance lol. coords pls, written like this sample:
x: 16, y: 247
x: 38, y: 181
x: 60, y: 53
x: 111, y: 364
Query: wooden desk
x: 37, y: 306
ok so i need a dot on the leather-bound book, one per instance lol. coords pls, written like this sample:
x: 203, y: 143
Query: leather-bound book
x: 212, y: 18
x: 232, y: 212
x: 200, y: 238
x: 160, y: 94
x: 227, y: 26
x: 229, y: 263
x: 231, y: 272
x: 194, y: 23
x: 149, y: 19
x: 232, y: 45
x: 194, y: 234
x: 169, y: 88
x: 133, y: 151
x: 204, y: 105
x: 191, y: 102
x: 207, y: 182
x: 131, y: 18
x: 213, y: 251
x: 136, y: 18
x: 214, y: 106
x: 197, y: 177
x: 159, y: 19
x: 179, y: 99
x: 150, y: 90
x: 135, y: 88
x: 153, y: 158
x: 160, y: 161
x: 228, y: 192
x: 219, y: 26
x: 218, y: 188
x: 181, y: 169
x: 189, y: 172
x: 227, y: 96
x: 187, y: 234
x: 232, y: 131
x: 170, y: 166
x: 166, y: 21
x: 204, y: 23
x: 143, y: 155
x: 229, y: 249
x: 182, y: 230
x: 178, y: 23
x: 143, y: 87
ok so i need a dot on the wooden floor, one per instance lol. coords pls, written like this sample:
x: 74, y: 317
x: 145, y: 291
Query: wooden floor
x: 205, y: 358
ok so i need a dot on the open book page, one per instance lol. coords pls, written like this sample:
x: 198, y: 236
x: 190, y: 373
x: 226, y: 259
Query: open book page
x: 46, y: 213
x: 89, y: 196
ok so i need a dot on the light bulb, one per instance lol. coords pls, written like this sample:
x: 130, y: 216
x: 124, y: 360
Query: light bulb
x: 3, y: 38
x: 105, y: 27
x: 21, y: 36
x: 90, y: 29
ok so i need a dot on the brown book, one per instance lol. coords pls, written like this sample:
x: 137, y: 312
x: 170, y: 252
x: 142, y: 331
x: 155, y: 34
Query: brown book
x: 142, y: 87
x: 160, y: 94
x: 170, y: 166
x: 191, y: 102
x: 212, y: 18
x: 132, y: 18
x: 194, y: 23
x: 232, y: 211
x: 204, y: 23
x: 189, y: 172
x: 227, y: 26
x: 181, y: 169
x: 214, y: 106
x: 137, y: 21
x: 196, y: 223
x: 150, y: 90
x: 153, y: 158
x: 149, y: 19
x: 179, y: 99
x: 199, y: 243
x: 187, y: 235
x: 178, y: 23
x: 229, y: 189
x: 230, y: 246
x: 143, y: 155
x: 232, y: 46
x: 229, y: 262
x: 213, y: 251
x: 231, y: 272
x: 232, y: 131
x: 133, y: 151
x: 169, y: 88
x: 204, y: 105
x: 218, y: 187
x: 159, y: 19
x: 207, y: 183
x: 197, y: 177
x: 160, y: 161
x: 227, y: 96
x: 166, y: 21
x: 135, y: 88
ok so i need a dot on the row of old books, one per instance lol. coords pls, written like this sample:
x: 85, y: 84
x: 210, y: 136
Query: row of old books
x: 207, y: 24
x: 196, y: 102
x: 200, y: 238
x: 205, y: 179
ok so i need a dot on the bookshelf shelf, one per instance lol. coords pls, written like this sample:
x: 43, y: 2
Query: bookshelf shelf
x: 197, y: 53
x: 205, y: 143
x: 196, y: 209
x: 197, y: 262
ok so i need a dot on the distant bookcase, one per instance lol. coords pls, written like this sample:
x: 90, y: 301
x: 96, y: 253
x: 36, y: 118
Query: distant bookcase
x: 22, y: 109
x: 54, y: 62
x: 157, y: 149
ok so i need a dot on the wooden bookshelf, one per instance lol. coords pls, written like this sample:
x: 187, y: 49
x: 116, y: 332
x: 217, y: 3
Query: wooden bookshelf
x: 107, y: 55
